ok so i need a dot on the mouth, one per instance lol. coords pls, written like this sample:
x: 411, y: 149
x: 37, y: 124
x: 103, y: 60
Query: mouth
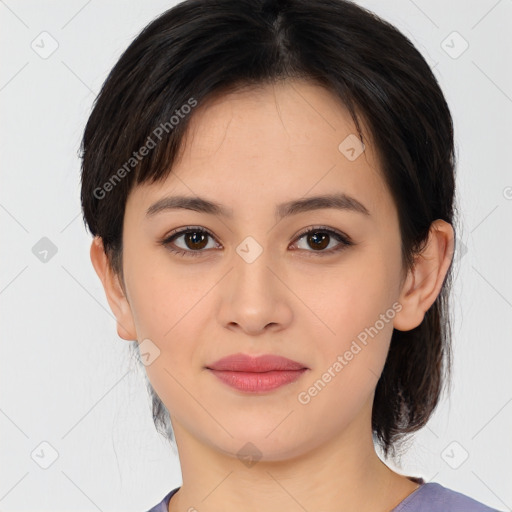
x: 256, y: 374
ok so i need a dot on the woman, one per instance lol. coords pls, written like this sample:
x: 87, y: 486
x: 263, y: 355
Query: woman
x: 270, y: 186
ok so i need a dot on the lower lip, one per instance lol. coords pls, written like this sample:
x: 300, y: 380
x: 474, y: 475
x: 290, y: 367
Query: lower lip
x: 254, y: 382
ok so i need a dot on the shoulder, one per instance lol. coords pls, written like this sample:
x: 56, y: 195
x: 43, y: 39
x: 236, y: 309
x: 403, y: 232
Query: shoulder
x: 430, y: 497
x: 433, y: 497
x: 163, y: 506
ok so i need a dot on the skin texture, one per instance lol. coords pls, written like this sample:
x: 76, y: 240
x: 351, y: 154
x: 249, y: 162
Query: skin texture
x: 250, y: 151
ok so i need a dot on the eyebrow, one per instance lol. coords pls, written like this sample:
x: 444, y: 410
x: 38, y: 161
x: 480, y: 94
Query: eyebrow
x: 338, y: 201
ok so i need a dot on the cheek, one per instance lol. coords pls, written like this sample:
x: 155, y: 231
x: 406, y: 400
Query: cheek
x: 170, y: 307
x: 349, y: 297
x: 166, y: 309
x: 348, y: 363
x: 161, y: 294
x: 355, y: 304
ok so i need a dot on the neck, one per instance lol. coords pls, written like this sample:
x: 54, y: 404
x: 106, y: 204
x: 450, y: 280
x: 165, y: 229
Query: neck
x: 344, y: 474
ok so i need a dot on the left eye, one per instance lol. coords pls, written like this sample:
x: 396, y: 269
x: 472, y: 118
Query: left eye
x: 196, y: 239
x: 320, y: 238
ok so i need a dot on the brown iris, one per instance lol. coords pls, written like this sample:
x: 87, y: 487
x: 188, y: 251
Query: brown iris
x: 197, y: 240
x: 320, y: 240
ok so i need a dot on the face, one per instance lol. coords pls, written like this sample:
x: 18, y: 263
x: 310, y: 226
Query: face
x: 317, y: 284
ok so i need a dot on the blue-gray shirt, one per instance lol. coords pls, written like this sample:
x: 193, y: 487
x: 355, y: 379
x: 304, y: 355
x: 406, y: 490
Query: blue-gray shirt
x: 429, y: 497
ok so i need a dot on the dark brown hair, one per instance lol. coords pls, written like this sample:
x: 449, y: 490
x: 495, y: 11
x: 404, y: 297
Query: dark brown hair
x: 203, y: 48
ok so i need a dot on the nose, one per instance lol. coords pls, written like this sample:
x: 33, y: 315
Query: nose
x: 255, y: 297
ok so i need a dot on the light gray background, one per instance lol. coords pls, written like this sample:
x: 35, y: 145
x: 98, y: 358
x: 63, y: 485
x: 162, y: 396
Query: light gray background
x: 66, y: 379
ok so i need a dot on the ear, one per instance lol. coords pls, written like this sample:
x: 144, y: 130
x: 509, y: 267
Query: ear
x: 425, y: 280
x: 115, y: 295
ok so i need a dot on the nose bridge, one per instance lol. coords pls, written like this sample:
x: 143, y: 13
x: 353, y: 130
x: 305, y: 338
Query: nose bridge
x: 251, y: 266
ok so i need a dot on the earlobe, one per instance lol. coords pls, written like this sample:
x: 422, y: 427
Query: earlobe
x: 113, y: 290
x: 424, y: 282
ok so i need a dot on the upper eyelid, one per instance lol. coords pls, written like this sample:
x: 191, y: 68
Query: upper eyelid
x: 181, y: 231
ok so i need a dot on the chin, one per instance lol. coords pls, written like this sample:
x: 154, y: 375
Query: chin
x: 261, y: 447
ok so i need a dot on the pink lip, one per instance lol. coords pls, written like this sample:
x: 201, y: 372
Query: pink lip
x: 254, y: 374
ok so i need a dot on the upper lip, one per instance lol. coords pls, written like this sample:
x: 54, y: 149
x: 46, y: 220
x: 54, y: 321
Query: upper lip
x: 263, y: 363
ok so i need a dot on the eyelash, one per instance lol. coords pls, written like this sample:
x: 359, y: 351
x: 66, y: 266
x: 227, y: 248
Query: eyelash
x: 344, y: 240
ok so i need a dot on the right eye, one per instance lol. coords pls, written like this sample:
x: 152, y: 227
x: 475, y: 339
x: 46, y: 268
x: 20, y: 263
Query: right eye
x: 194, y: 240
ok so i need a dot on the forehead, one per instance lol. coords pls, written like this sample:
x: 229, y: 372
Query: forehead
x: 289, y: 117
x: 270, y: 144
